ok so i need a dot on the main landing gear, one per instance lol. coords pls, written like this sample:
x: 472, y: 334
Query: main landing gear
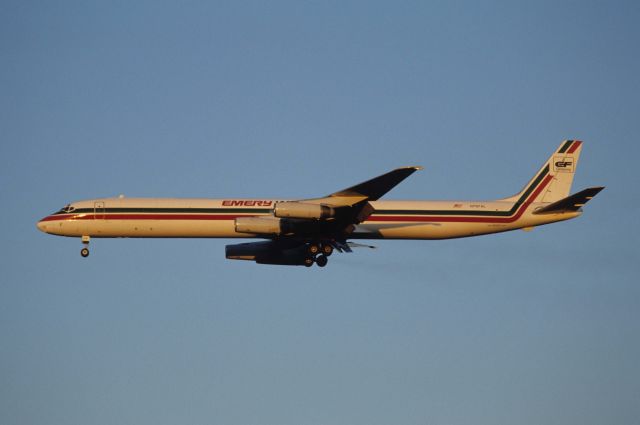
x: 317, y: 252
x: 322, y: 260
x: 85, y: 250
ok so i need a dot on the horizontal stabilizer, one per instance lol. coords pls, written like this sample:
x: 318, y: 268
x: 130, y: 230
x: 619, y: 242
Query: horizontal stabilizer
x: 570, y: 203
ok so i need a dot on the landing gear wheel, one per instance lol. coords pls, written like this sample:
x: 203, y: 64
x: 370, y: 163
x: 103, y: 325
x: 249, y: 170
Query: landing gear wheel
x: 327, y: 249
x: 313, y: 249
x: 308, y: 262
x: 85, y: 250
x: 322, y: 260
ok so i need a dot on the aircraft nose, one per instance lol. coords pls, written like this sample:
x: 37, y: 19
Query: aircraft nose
x: 42, y: 225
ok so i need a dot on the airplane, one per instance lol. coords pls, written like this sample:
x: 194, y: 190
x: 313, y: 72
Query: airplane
x: 307, y: 231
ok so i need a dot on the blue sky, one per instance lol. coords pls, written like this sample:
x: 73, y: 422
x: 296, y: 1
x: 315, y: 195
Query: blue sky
x: 299, y: 99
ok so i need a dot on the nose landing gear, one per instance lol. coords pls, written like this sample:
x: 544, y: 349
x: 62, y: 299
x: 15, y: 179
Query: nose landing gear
x: 85, y: 250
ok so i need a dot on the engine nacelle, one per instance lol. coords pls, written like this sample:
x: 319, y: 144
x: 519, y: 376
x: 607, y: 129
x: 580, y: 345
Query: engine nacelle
x: 274, y: 226
x: 302, y: 210
x: 268, y: 252
x: 258, y: 225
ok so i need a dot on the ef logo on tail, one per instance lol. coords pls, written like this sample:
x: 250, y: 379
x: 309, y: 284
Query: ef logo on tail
x: 563, y: 164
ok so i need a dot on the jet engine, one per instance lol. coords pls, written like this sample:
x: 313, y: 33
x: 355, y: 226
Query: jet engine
x: 270, y: 252
x: 259, y: 225
x: 304, y: 210
x: 274, y: 226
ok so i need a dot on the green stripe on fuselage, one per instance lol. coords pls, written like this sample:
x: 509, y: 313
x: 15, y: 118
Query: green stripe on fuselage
x: 508, y: 213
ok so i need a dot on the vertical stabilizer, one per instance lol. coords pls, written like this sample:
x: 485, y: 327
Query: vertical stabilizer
x: 553, y: 182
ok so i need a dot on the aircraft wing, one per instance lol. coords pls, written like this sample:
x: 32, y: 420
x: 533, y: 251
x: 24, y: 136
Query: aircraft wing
x: 300, y: 229
x: 352, y: 204
x: 333, y: 216
x: 376, y: 187
x: 370, y: 190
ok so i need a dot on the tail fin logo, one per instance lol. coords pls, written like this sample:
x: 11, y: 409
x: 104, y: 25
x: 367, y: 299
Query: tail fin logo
x: 563, y: 164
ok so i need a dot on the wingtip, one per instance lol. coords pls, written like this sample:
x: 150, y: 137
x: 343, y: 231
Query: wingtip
x: 412, y: 167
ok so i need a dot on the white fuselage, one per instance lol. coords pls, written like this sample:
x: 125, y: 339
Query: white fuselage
x: 215, y: 218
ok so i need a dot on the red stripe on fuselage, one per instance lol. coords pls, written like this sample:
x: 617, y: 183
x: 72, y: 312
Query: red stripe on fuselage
x: 466, y: 219
x: 57, y: 217
x: 146, y: 217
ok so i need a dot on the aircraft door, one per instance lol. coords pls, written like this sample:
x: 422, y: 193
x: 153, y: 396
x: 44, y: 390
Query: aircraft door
x: 99, y: 210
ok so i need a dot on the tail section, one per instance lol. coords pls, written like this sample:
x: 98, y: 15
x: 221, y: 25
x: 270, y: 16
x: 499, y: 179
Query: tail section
x: 553, y: 182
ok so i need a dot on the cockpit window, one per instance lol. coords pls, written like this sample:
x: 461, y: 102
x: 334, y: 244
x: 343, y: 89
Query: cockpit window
x: 67, y: 209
